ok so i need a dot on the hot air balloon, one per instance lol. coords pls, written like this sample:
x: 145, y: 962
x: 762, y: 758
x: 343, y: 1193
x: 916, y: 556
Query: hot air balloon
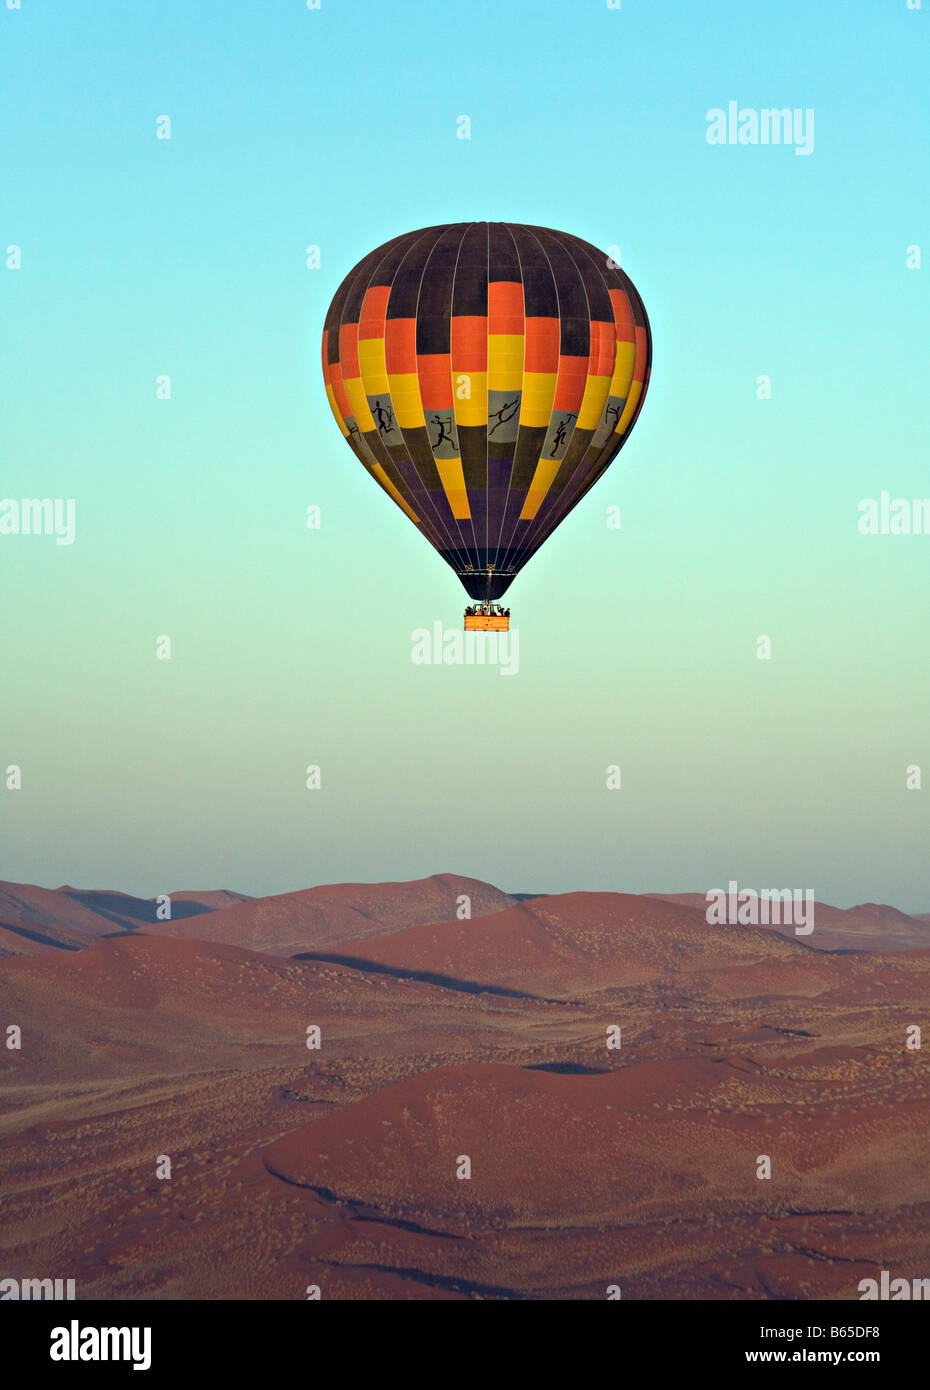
x: 486, y: 374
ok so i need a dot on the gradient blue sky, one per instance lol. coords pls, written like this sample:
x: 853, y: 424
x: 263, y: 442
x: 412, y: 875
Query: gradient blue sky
x: 337, y: 127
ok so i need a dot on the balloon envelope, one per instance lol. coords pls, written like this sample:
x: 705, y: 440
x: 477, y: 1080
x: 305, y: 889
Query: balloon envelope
x: 485, y: 374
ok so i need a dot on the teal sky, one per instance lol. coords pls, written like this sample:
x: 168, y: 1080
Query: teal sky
x: 186, y: 257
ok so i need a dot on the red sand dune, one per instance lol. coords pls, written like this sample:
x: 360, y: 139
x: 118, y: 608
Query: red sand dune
x: 33, y: 918
x: 18, y: 940
x: 546, y: 1147
x: 486, y: 1037
x: 49, y: 913
x: 867, y: 927
x: 313, y: 918
x: 142, y: 1004
x: 647, y: 1173
x: 583, y: 943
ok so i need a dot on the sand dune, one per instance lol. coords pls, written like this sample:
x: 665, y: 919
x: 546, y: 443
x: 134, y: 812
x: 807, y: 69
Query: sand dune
x: 317, y: 917
x: 34, y: 919
x: 578, y: 944
x: 647, y: 1174
x: 867, y: 927
x: 487, y: 1037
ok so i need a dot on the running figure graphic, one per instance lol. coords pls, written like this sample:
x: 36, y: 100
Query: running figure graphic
x: 444, y: 438
x: 507, y: 411
x: 559, y: 439
x: 385, y: 418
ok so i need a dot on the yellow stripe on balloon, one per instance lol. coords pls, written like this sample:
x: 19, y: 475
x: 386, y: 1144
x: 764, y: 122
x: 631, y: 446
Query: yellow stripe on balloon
x: 355, y: 391
x: 453, y: 481
x: 538, y: 395
x: 546, y: 470
x: 473, y: 408
x: 505, y: 361
x: 372, y: 366
x: 624, y: 362
x: 405, y: 398
x: 636, y: 390
x: 593, y: 402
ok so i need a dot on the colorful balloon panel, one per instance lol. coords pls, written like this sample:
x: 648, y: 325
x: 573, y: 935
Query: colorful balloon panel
x: 486, y: 374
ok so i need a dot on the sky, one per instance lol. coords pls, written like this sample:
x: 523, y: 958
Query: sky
x: 141, y: 258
